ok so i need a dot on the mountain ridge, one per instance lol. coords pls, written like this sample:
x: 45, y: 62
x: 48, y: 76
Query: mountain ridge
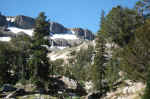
x: 59, y: 34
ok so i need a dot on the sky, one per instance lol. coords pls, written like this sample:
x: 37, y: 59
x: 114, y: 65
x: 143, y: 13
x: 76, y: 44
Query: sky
x: 70, y: 13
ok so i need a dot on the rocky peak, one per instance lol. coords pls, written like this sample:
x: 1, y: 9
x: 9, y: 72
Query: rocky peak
x: 57, y: 28
x: 24, y: 22
x: 3, y: 21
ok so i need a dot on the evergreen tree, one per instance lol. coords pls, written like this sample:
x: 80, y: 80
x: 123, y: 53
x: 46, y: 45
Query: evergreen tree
x: 120, y: 25
x: 99, y: 66
x: 39, y: 62
x: 134, y: 58
x: 22, y: 45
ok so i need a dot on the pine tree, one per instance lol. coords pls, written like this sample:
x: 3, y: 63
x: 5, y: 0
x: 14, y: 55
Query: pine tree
x: 99, y: 66
x: 39, y: 62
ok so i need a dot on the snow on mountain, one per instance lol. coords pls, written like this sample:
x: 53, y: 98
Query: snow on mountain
x: 64, y: 36
x: 5, y: 39
x: 72, y: 31
x: 17, y: 30
x: 10, y: 19
x: 67, y: 36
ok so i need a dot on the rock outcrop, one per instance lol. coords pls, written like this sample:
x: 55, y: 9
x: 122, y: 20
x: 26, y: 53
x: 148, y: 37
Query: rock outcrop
x: 3, y: 21
x: 6, y: 33
x: 24, y: 22
x: 57, y: 28
x: 83, y: 33
x: 65, y: 43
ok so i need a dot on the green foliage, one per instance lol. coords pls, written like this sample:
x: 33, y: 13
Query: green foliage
x: 57, y: 67
x: 120, y: 25
x: 99, y: 66
x: 135, y: 56
x: 4, y: 63
x: 112, y: 72
x: 81, y: 63
x: 39, y: 62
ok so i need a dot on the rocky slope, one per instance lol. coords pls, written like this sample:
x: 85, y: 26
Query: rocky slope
x: 133, y: 90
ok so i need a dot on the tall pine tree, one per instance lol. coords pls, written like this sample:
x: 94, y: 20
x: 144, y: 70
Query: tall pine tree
x: 39, y: 62
x: 99, y: 66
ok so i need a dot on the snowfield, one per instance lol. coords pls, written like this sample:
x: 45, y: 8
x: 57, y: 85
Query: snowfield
x: 67, y: 36
x: 17, y: 30
x: 5, y: 39
x: 64, y: 36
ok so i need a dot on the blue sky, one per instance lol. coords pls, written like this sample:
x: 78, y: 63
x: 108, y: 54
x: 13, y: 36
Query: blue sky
x: 70, y: 13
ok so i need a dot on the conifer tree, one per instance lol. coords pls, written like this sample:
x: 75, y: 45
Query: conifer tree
x: 39, y: 62
x: 99, y: 67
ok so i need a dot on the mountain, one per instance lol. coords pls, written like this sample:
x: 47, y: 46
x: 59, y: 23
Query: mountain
x: 3, y: 20
x: 59, y: 35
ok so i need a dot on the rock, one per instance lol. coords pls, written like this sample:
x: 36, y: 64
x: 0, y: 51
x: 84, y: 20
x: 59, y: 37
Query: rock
x: 65, y: 43
x: 57, y: 28
x: 69, y: 82
x: 5, y: 33
x: 3, y: 21
x: 88, y: 35
x: 8, y: 88
x: 78, y: 31
x: 83, y: 34
x: 88, y: 86
x: 60, y: 42
x: 24, y: 22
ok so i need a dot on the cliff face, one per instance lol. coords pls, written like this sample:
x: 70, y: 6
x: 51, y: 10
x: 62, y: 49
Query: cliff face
x: 24, y: 22
x: 83, y: 33
x: 3, y: 21
x: 57, y: 28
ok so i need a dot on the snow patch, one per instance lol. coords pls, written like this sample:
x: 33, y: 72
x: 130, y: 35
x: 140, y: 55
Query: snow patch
x: 17, y: 30
x: 5, y: 39
x: 73, y: 32
x: 11, y: 19
x: 64, y: 36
